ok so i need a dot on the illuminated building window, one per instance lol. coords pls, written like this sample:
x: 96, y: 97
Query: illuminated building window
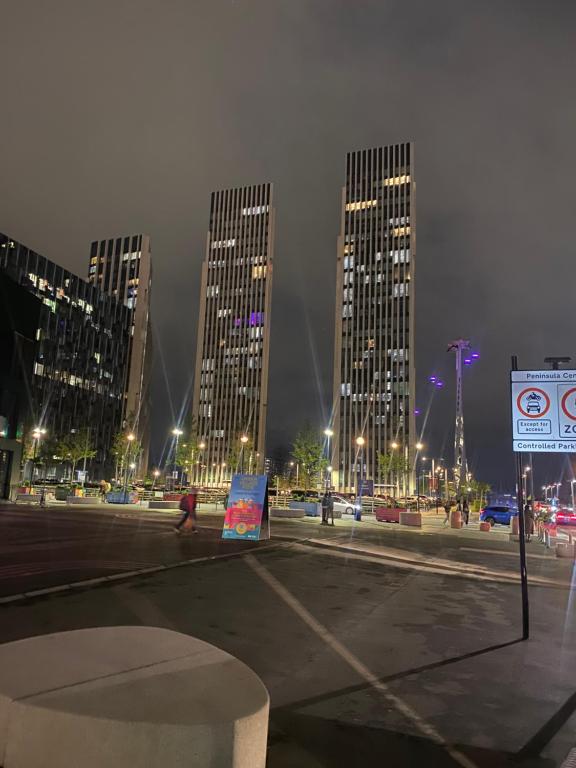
x: 213, y: 290
x: 346, y: 389
x: 348, y: 262
x: 39, y: 369
x: 400, y: 231
x: 348, y: 249
x: 394, y: 181
x: 258, y: 273
x: 361, y: 205
x: 224, y: 243
x: 254, y: 210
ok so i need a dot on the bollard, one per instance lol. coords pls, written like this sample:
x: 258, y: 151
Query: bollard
x: 565, y: 550
x: 455, y: 519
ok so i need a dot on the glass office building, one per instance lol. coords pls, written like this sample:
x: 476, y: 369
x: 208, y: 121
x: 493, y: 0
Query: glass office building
x: 80, y: 369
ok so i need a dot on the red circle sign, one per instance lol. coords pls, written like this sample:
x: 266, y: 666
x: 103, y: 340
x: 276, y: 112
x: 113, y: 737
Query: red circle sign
x: 565, y: 396
x: 542, y: 411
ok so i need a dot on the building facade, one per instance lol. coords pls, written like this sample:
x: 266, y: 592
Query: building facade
x: 81, y: 358
x: 374, y: 327
x: 122, y: 268
x: 231, y: 373
x: 19, y: 321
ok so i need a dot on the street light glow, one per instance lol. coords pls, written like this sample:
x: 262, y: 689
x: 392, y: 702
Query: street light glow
x: 360, y: 441
x: 202, y: 446
x: 176, y: 431
x: 244, y: 439
x: 328, y: 432
x: 130, y: 437
x: 419, y: 446
x: 394, y: 445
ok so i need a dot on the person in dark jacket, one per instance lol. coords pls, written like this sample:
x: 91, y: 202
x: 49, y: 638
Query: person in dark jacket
x: 188, y: 504
x: 528, y: 521
x: 325, y: 508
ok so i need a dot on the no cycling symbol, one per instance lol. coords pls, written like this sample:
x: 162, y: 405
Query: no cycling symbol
x: 568, y: 403
x: 534, y: 403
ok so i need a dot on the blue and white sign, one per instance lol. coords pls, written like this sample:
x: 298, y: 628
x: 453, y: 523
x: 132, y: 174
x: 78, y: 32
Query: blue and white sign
x: 544, y: 411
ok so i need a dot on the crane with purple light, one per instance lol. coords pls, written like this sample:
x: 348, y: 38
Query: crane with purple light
x: 459, y: 347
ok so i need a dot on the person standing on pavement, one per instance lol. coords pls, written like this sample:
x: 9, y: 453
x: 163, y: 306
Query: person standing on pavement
x: 330, y: 508
x: 188, y: 504
x: 447, y: 507
x: 325, y: 507
x: 528, y: 521
x: 465, y: 511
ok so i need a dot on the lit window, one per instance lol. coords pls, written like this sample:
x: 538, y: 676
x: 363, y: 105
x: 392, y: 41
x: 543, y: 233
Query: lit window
x: 394, y: 181
x: 361, y: 205
x: 39, y: 369
x: 348, y: 262
x: 255, y: 210
x: 400, y: 231
x: 346, y: 389
x: 224, y: 243
x: 348, y: 249
x: 258, y: 273
x: 347, y: 310
x: 213, y: 290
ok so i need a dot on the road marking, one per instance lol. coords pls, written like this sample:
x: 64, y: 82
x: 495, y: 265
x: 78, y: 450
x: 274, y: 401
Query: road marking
x: 354, y: 662
x: 508, y: 554
x: 433, y: 565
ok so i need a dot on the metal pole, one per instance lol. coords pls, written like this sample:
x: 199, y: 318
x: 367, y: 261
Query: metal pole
x: 522, y: 535
x: 572, y: 492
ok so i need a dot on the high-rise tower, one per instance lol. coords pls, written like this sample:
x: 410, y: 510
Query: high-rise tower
x: 122, y: 267
x: 231, y: 378
x: 374, y: 339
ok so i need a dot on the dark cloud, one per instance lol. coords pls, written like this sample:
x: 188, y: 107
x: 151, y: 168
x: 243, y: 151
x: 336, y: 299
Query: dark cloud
x: 122, y: 116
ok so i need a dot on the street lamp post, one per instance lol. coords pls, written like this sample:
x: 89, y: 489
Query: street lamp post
x: 329, y: 433
x: 176, y: 432
x: 129, y: 440
x: 156, y: 475
x: 572, y: 492
x: 243, y: 440
x: 37, y: 434
x: 360, y: 442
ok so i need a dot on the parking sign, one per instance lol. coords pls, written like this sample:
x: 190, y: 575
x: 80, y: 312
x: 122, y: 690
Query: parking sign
x: 544, y: 411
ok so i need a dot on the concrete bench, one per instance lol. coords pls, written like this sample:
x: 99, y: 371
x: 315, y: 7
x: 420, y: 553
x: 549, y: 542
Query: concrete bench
x: 128, y: 696
x: 160, y: 504
x: 92, y: 500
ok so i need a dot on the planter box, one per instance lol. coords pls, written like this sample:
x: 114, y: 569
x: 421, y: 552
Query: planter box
x: 485, y: 527
x: 455, y: 519
x: 163, y: 504
x: 28, y: 498
x: 388, y: 514
x: 119, y: 497
x: 309, y: 508
x: 411, y: 518
x: 283, y: 512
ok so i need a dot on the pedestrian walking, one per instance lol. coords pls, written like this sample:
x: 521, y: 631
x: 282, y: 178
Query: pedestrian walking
x: 325, y: 504
x: 447, y: 506
x: 528, y: 521
x: 188, y: 504
x: 465, y: 511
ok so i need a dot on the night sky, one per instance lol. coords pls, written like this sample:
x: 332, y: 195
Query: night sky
x: 121, y: 116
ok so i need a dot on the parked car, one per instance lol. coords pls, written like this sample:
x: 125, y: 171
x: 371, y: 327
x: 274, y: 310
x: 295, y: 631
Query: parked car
x: 565, y: 517
x: 497, y: 513
x: 344, y: 506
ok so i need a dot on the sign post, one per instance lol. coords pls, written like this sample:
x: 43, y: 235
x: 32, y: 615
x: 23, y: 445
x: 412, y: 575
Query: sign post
x: 522, y: 398
x: 247, y: 515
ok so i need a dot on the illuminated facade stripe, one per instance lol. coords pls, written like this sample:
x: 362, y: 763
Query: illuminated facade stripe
x: 374, y: 327
x: 231, y: 376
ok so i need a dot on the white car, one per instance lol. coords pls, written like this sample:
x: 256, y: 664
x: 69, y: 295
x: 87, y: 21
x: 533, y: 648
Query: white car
x: 344, y: 506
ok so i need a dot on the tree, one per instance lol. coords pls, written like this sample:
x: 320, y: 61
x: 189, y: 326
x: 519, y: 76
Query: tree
x: 75, y: 446
x: 393, y: 467
x: 308, y: 453
x: 124, y: 451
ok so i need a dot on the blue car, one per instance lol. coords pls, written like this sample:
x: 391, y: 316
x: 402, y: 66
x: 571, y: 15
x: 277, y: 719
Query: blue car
x: 497, y: 513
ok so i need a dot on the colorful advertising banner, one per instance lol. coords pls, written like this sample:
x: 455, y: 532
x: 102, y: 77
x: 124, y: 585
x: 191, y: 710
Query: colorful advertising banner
x: 247, y: 511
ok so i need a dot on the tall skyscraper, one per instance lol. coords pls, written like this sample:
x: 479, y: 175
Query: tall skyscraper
x: 374, y: 338
x: 231, y: 378
x: 122, y: 268
x: 80, y: 356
